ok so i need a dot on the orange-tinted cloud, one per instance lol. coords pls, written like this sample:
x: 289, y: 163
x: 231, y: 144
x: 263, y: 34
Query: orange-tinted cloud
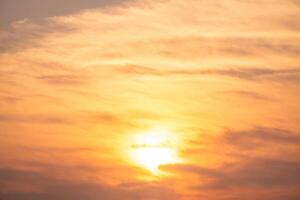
x: 223, y: 76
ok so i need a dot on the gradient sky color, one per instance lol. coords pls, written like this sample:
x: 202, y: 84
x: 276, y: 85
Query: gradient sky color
x: 91, y: 92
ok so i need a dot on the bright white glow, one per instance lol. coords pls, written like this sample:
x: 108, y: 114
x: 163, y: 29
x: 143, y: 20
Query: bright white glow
x: 154, y: 148
x: 152, y: 157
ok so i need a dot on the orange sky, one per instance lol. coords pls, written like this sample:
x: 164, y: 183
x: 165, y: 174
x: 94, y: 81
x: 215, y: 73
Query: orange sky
x: 152, y: 100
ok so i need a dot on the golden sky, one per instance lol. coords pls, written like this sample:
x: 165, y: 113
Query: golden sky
x: 151, y: 100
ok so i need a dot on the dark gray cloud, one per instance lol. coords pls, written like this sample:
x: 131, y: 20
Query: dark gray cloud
x: 26, y: 34
x: 12, y: 10
x: 49, y: 188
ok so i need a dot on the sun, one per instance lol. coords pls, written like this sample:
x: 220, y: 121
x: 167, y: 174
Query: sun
x: 152, y: 157
x: 154, y: 148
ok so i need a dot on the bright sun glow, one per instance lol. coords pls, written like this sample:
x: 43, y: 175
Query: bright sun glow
x: 154, y: 148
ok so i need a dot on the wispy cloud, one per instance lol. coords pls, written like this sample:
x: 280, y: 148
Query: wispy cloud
x: 256, y: 170
x: 234, y: 72
x: 261, y: 136
x: 246, y: 94
x: 99, y: 76
x: 56, y: 188
x: 63, y: 79
x: 253, y: 173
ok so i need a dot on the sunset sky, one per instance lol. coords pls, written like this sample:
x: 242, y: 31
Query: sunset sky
x: 150, y: 100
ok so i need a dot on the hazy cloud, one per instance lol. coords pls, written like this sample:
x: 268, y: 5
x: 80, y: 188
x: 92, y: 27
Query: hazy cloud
x: 34, y: 9
x: 250, y: 172
x: 108, y: 74
x: 55, y: 188
x: 246, y: 94
x: 52, y: 119
x: 260, y: 136
x: 63, y: 79
x: 234, y: 72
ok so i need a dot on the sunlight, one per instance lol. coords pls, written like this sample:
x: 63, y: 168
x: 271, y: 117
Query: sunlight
x: 154, y: 148
x: 152, y: 157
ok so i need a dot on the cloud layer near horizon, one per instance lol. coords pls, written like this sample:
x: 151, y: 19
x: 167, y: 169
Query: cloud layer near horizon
x: 222, y: 75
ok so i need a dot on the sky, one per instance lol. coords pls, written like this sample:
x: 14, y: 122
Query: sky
x: 14, y: 10
x: 150, y: 100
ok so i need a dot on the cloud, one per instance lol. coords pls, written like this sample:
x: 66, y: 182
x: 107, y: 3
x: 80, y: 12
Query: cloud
x: 48, y: 119
x: 9, y: 99
x: 26, y: 33
x: 111, y: 72
x: 195, y: 48
x: 60, y: 150
x: 246, y: 94
x: 239, y: 170
x: 250, y: 172
x: 254, y: 141
x: 261, y: 136
x: 234, y: 72
x: 84, y: 117
x: 63, y: 79
x: 12, y: 11
x: 254, y: 176
x: 55, y: 188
